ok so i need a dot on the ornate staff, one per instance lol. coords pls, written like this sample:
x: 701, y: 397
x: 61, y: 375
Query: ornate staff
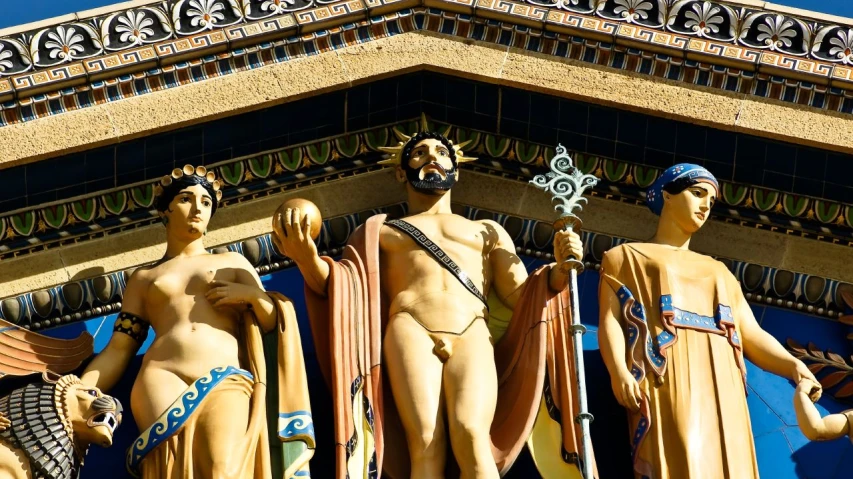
x: 566, y: 183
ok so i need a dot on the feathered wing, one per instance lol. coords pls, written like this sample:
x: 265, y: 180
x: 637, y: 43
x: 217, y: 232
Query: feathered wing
x: 23, y: 352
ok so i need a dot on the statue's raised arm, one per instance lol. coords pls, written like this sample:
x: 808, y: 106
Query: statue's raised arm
x: 415, y: 300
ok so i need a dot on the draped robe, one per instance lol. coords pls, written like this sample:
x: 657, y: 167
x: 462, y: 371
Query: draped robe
x: 166, y: 450
x: 681, y: 313
x: 533, y: 358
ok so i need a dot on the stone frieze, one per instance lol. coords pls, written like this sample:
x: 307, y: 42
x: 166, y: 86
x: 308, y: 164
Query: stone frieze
x: 136, y: 39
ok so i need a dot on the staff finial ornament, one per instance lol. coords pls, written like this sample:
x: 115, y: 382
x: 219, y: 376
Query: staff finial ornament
x: 567, y: 184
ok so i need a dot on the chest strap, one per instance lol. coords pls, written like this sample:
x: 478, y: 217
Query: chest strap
x: 436, y: 252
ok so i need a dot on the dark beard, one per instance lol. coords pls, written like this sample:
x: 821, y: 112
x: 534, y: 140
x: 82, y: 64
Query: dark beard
x: 432, y: 183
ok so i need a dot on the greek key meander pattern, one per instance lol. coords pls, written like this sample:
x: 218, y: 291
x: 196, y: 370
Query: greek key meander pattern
x: 162, y: 45
x: 84, y: 299
x: 436, y: 252
x: 99, y: 214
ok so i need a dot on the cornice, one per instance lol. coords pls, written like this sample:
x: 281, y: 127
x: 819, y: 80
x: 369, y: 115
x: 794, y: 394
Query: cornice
x: 82, y: 299
x: 104, y: 213
x: 138, y: 36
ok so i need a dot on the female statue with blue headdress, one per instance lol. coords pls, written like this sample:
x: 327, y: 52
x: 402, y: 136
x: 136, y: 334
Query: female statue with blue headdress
x: 674, y: 329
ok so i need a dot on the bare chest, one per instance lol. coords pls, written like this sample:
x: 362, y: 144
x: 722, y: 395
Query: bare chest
x: 465, y: 242
x: 188, y: 277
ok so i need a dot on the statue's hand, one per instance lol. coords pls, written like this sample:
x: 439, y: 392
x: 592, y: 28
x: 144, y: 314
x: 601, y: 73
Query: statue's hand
x: 225, y: 294
x: 809, y: 388
x: 627, y: 390
x: 802, y: 374
x: 4, y: 422
x: 567, y: 244
x: 291, y: 235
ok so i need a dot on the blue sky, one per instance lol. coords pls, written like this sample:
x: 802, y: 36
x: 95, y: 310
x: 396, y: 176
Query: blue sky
x: 15, y: 12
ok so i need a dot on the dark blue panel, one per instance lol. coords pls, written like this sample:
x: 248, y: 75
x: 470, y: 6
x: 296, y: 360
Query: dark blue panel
x: 376, y: 118
x: 513, y: 128
x: 188, y: 143
x: 130, y: 157
x: 13, y: 183
x: 629, y: 153
x: 660, y: 134
x: 720, y: 146
x: 407, y: 111
x: 603, y: 123
x: 747, y: 173
x: 487, y: 99
x: 100, y: 164
x: 632, y: 128
x: 781, y: 158
x: 803, y: 186
x: 217, y: 135
x: 574, y: 116
x: 409, y: 89
x: 435, y: 111
x: 434, y: 88
x: 160, y: 152
x: 544, y: 110
x: 778, y: 181
x: 784, y: 324
x: 659, y: 159
x: 811, y: 164
x: 572, y: 141
x: 383, y: 95
x: 750, y: 155
x: 690, y: 140
x: 839, y: 166
x: 544, y: 135
x: 13, y: 204
x: 461, y: 94
x: 600, y: 147
x: 515, y: 104
x: 842, y: 193
x: 723, y: 171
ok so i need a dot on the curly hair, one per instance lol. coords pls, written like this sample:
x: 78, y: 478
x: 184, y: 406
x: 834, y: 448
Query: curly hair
x: 425, y: 135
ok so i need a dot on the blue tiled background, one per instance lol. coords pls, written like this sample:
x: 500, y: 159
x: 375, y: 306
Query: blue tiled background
x: 581, y: 127
x: 783, y: 452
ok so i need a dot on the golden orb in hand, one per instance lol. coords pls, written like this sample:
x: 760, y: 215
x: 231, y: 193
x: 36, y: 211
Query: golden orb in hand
x: 306, y: 208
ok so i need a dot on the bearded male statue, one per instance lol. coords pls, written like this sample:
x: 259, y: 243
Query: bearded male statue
x: 421, y: 365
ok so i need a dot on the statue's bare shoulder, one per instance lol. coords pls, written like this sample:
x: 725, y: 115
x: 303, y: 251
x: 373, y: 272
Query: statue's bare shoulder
x: 232, y: 259
x: 496, y: 236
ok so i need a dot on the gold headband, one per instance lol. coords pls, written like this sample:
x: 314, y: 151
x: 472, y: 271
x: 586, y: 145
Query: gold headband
x: 187, y: 170
x: 395, y: 153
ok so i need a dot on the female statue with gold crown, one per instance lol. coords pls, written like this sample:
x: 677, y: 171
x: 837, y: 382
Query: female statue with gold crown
x: 200, y: 396
x: 674, y: 328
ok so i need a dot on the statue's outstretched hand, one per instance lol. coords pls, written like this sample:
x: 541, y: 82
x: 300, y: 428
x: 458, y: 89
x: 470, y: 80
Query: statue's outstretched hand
x: 4, y: 422
x: 627, y: 390
x: 567, y: 244
x: 291, y: 235
x: 810, y: 388
x: 803, y: 376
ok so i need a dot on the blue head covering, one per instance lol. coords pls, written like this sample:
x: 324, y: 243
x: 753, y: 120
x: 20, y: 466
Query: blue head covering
x: 680, y: 172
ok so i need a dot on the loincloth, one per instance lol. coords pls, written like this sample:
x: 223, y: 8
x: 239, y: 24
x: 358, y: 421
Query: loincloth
x: 444, y: 340
x: 165, y: 450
